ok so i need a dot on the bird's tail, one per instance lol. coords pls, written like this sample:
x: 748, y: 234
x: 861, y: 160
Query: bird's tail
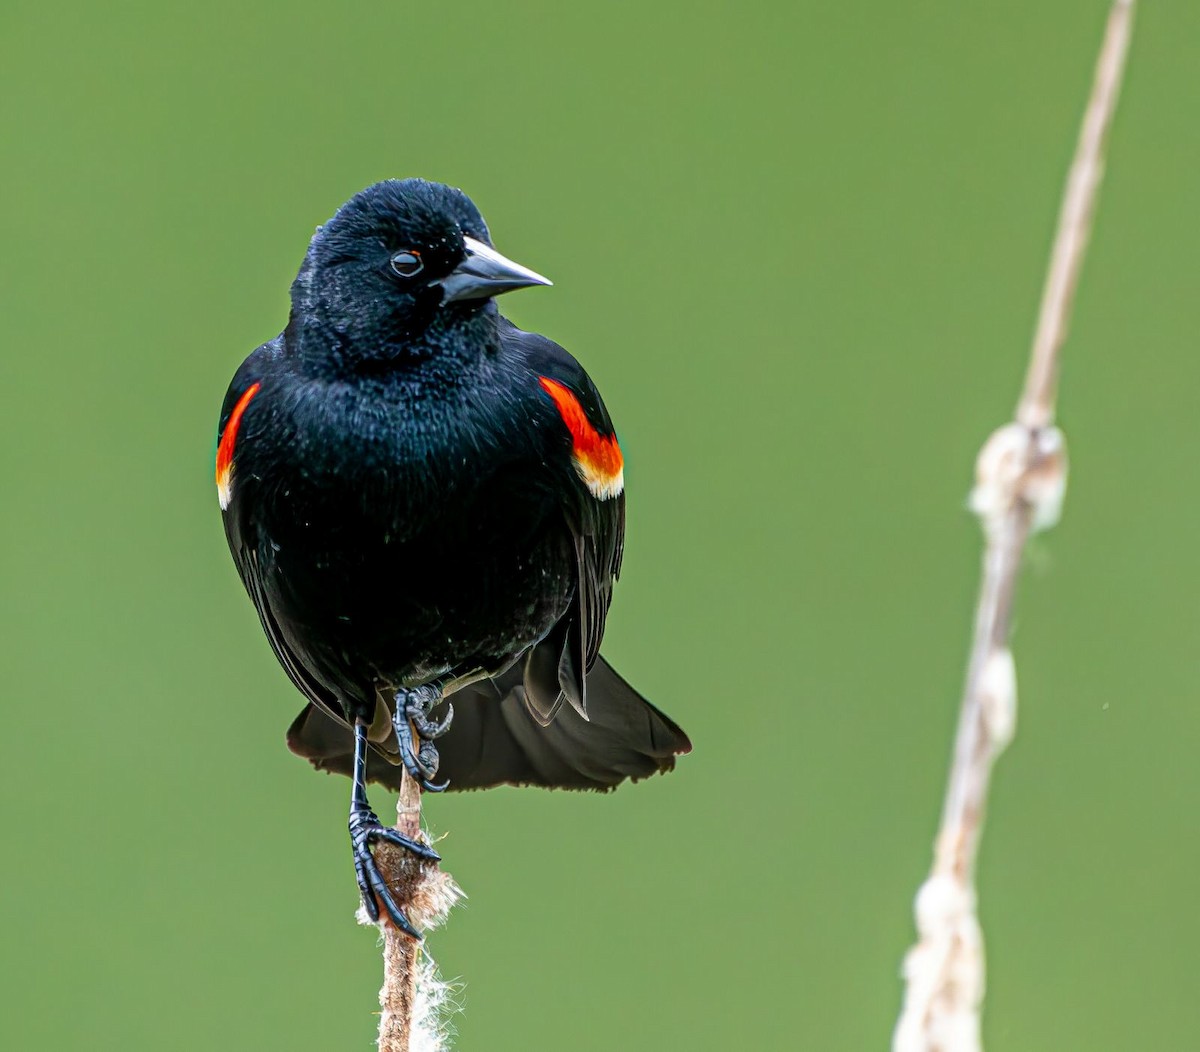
x: 494, y: 740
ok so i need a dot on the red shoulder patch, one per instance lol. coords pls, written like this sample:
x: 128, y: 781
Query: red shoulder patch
x: 597, y: 457
x: 226, y: 445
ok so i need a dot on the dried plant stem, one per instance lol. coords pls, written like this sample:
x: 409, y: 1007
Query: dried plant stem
x: 411, y: 995
x: 398, y: 994
x: 1020, y: 483
x: 1036, y: 408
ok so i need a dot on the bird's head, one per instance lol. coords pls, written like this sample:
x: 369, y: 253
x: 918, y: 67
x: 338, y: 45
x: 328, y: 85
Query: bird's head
x: 401, y: 268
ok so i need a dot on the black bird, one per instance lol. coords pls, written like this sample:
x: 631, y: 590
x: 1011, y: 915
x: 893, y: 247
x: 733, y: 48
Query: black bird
x: 425, y: 502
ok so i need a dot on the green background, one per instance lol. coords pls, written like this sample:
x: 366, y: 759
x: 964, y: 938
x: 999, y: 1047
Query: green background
x: 800, y: 247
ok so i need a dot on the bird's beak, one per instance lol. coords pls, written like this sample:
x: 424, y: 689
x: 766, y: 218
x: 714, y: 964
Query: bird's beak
x: 486, y: 273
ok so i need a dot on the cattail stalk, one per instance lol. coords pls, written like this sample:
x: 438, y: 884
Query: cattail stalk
x: 1021, y: 477
x: 412, y: 997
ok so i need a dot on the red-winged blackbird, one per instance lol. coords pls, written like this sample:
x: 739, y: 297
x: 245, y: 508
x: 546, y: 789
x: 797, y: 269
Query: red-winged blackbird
x: 423, y: 501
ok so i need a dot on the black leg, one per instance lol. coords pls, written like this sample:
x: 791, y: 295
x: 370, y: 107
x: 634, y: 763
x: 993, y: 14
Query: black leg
x: 365, y: 830
x: 417, y: 731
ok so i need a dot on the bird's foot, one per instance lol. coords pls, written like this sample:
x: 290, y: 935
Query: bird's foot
x: 366, y: 830
x: 417, y: 731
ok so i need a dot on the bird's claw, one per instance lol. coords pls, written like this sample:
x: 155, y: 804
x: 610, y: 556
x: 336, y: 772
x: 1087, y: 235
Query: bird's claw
x: 366, y: 830
x: 429, y: 729
x: 417, y: 732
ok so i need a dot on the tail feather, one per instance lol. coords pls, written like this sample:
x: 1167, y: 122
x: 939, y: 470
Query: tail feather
x: 496, y: 740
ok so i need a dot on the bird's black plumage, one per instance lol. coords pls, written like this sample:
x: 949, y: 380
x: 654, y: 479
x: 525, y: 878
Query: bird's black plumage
x: 423, y: 500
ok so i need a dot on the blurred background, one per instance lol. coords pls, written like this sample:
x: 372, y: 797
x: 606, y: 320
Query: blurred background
x: 800, y: 247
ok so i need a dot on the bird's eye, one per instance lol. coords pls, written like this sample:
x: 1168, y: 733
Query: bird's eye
x: 407, y: 263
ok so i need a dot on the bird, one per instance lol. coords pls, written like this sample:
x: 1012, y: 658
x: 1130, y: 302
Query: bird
x: 426, y: 507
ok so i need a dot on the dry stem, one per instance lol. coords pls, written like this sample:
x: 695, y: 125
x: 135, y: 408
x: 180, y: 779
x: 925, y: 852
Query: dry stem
x: 398, y: 993
x: 411, y: 994
x: 1020, y: 482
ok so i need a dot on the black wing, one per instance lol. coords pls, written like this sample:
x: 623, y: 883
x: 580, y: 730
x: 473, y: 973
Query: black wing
x: 236, y: 417
x: 556, y: 669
